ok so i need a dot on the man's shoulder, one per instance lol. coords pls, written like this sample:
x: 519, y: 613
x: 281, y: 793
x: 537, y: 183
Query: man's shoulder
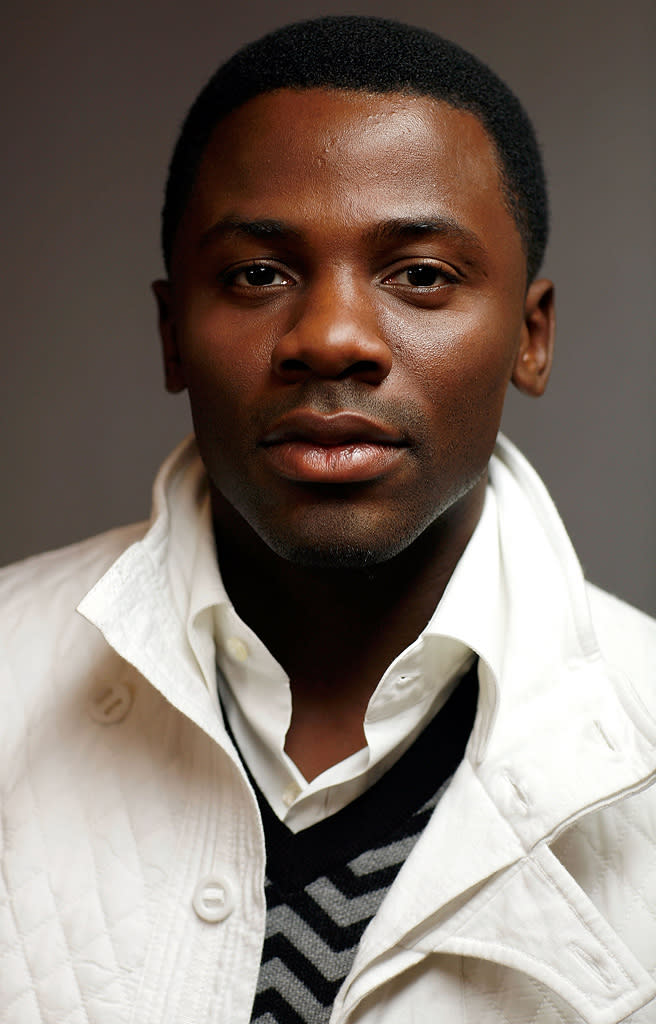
x: 627, y: 639
x: 54, y: 581
x: 617, y: 622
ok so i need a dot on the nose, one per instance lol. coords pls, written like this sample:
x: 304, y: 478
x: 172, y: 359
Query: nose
x: 333, y: 335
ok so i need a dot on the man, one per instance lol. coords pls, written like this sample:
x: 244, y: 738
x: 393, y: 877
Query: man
x: 341, y: 734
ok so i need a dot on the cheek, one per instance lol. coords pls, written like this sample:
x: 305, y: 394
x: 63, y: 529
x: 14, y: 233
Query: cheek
x: 460, y: 363
x: 458, y: 356
x: 223, y: 366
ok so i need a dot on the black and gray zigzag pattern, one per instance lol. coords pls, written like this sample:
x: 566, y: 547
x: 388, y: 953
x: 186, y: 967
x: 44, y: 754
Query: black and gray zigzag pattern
x: 326, y: 883
x: 312, y: 936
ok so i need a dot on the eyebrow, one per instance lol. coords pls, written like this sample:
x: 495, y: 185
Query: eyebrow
x: 265, y: 229
x: 408, y: 229
x: 394, y: 230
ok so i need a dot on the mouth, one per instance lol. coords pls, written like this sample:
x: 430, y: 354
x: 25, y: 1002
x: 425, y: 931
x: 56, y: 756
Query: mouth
x: 342, y: 448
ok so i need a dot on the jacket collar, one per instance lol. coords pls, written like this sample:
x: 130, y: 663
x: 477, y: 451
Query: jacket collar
x: 556, y: 735
x: 142, y: 604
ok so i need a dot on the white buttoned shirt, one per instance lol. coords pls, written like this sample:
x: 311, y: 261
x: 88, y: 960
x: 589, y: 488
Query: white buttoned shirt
x: 256, y: 696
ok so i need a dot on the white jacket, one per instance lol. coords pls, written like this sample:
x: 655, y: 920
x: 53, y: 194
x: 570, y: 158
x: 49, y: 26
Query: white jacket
x: 132, y: 849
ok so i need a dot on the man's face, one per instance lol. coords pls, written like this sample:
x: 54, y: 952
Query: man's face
x: 346, y: 307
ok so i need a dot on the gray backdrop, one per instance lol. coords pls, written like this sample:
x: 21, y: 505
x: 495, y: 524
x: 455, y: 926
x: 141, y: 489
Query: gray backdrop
x: 93, y: 94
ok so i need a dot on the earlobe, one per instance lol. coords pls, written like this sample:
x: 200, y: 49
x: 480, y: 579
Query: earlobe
x: 173, y: 373
x: 535, y: 353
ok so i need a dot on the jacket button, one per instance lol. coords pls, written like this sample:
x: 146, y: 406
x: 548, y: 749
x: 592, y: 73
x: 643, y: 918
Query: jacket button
x: 110, y: 703
x: 213, y: 898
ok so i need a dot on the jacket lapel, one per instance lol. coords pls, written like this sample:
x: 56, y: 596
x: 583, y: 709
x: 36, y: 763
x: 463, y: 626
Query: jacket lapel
x: 499, y: 904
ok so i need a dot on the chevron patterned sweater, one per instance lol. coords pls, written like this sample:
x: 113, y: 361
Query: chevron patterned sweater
x: 324, y: 884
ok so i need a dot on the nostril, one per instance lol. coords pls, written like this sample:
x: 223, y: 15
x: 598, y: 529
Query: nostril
x: 334, y: 354
x: 367, y: 370
x: 292, y: 370
x: 363, y: 369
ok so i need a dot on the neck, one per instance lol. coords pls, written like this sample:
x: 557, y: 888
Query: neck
x: 335, y: 631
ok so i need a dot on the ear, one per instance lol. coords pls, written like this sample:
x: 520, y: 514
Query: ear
x: 173, y: 374
x: 533, y: 362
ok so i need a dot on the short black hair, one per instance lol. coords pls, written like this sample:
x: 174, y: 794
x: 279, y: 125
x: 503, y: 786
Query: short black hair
x: 376, y: 55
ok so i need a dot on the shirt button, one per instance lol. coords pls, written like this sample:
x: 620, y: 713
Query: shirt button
x: 236, y: 648
x: 290, y: 794
x: 213, y: 898
x: 110, y: 703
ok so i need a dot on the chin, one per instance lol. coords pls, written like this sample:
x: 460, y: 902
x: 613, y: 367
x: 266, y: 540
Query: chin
x: 334, y: 556
x: 338, y: 552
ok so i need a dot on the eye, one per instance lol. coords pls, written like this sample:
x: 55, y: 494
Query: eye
x: 258, y: 275
x: 421, y: 276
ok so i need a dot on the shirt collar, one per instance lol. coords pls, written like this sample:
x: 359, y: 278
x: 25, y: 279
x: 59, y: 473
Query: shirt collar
x: 469, y: 618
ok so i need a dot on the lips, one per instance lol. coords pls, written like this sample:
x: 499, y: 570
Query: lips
x: 341, y: 448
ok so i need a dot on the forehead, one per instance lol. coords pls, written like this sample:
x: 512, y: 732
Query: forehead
x: 331, y: 156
